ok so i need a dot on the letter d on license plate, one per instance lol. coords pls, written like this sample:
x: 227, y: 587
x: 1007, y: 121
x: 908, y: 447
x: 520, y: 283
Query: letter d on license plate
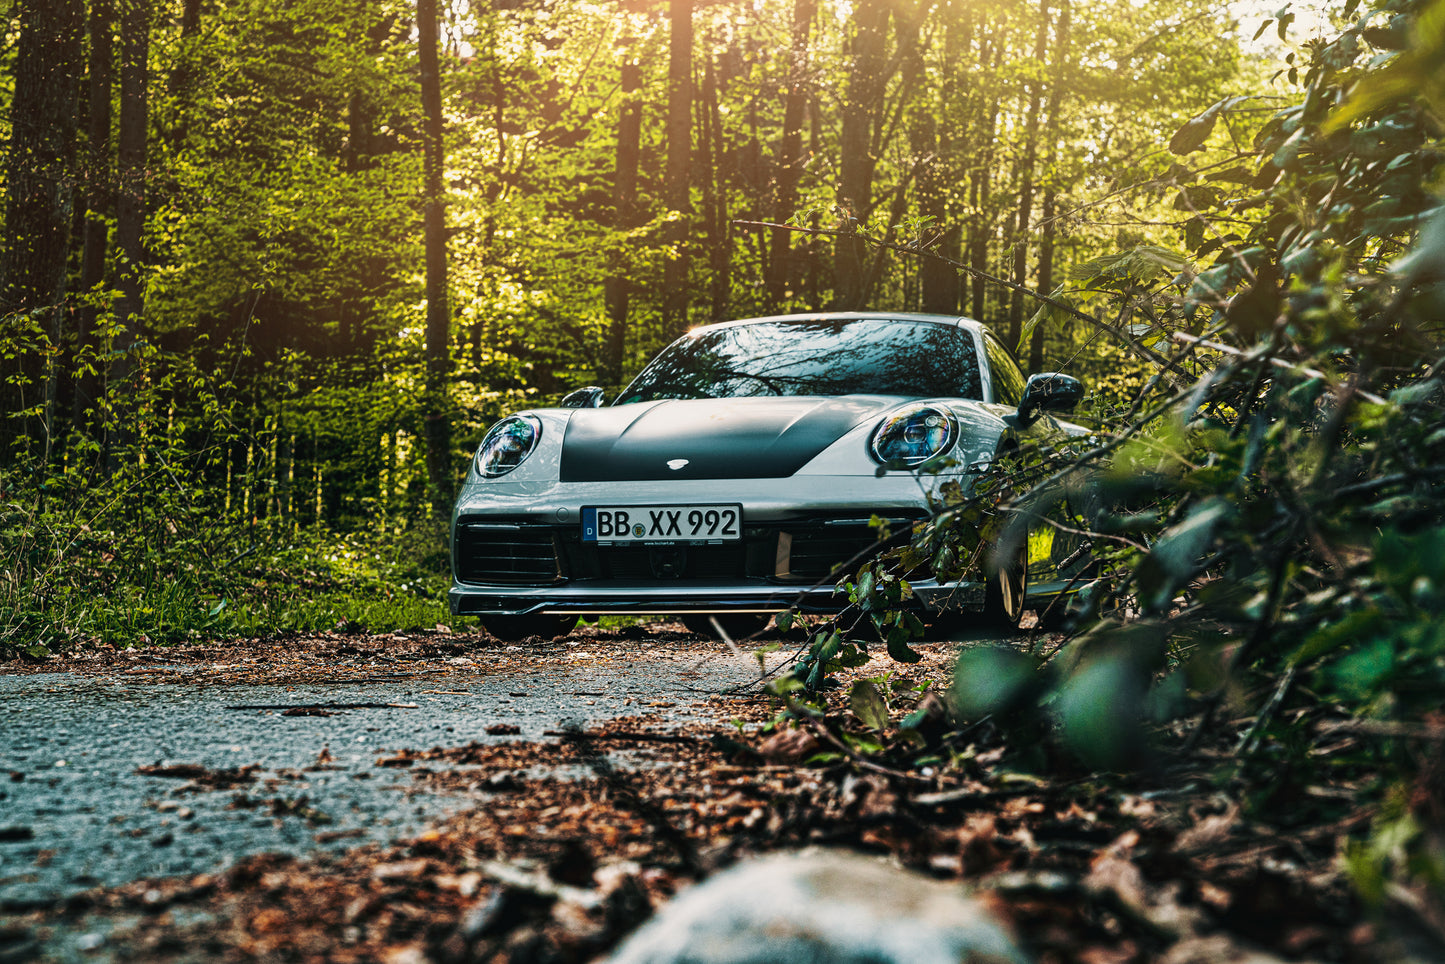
x: 662, y: 523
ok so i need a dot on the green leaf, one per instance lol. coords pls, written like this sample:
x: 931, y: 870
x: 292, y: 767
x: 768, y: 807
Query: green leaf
x: 1101, y: 709
x: 989, y: 680
x: 915, y: 719
x: 1047, y: 312
x: 1180, y: 548
x: 1196, y: 131
x: 1415, y: 394
x: 862, y: 744
x: 1361, y: 672
x: 868, y: 705
x: 899, y: 650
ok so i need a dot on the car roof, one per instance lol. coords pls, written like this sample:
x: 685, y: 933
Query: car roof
x: 957, y: 321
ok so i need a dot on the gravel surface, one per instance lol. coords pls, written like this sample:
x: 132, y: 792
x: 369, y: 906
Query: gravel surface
x: 127, y: 771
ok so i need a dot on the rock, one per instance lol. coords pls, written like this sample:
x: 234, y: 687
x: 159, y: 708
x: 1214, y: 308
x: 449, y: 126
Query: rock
x: 821, y: 906
x: 789, y: 746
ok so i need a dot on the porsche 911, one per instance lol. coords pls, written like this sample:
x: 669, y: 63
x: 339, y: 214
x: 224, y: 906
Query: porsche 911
x: 745, y: 471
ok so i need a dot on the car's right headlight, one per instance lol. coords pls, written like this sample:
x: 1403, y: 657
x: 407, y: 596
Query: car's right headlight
x: 507, y: 444
x: 908, y: 439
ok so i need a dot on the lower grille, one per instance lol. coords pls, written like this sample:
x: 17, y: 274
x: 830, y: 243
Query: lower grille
x: 523, y: 552
x: 816, y: 553
x: 682, y: 562
x: 502, y: 552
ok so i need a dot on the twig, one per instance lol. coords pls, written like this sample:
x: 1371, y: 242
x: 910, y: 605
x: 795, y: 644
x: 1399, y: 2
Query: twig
x: 1274, y: 360
x: 1249, y: 742
x: 628, y: 737
x: 857, y: 759
x: 325, y: 706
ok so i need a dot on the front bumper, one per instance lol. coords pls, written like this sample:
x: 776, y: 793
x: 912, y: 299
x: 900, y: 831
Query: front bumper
x: 619, y: 600
x: 518, y: 550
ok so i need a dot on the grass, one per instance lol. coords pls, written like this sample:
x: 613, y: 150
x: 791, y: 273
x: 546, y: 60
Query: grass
x: 152, y: 591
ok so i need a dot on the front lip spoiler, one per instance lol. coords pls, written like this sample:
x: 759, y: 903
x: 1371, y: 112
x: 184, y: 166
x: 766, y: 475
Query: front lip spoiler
x: 602, y: 602
x: 670, y: 599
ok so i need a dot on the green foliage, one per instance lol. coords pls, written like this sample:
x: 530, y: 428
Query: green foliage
x: 1265, y: 513
x: 1273, y: 506
x: 142, y: 530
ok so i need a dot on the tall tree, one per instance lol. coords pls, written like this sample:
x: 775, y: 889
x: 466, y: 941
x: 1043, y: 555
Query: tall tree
x: 677, y: 187
x: 624, y: 214
x: 715, y: 201
x: 100, y: 198
x: 981, y: 228
x: 438, y: 319
x: 40, y: 178
x: 132, y: 140
x: 856, y: 162
x: 868, y: 125
x: 1048, y: 216
x: 1026, y: 178
x: 782, y: 273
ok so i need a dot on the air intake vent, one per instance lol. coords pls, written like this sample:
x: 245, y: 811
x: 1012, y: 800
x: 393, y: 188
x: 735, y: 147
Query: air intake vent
x: 511, y: 553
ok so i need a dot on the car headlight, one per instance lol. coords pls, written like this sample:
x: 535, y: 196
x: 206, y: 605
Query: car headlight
x: 910, y: 438
x: 507, y: 444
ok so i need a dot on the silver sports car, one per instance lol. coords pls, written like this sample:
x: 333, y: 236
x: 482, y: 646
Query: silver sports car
x: 739, y: 472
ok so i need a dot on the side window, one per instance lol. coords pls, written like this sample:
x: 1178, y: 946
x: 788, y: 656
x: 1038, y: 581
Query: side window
x: 1008, y: 381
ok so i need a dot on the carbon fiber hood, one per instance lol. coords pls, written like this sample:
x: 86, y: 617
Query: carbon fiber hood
x: 719, y: 438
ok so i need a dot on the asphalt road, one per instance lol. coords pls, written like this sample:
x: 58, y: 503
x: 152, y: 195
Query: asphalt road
x: 84, y: 802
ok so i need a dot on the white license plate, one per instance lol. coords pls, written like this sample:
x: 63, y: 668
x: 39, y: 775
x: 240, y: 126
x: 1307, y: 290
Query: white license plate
x: 662, y: 523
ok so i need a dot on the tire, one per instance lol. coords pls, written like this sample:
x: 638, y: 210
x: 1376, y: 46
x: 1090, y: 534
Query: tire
x: 736, y: 625
x: 510, y: 629
x: 1003, y: 601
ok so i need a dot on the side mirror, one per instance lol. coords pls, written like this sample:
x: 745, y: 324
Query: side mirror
x: 1049, y: 392
x: 589, y: 397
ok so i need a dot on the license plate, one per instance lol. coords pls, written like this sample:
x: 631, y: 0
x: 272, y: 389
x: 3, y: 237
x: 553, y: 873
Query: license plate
x: 662, y: 523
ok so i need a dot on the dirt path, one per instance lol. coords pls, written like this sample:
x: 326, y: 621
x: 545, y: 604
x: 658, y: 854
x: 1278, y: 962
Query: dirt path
x: 543, y: 799
x: 179, y: 762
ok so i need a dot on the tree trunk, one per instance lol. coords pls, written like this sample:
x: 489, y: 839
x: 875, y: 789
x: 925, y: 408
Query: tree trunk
x: 40, y: 172
x: 981, y: 228
x: 1026, y: 183
x: 100, y: 203
x: 782, y: 275
x: 938, y: 282
x: 1046, y: 275
x: 715, y: 198
x: 618, y: 294
x: 1051, y: 141
x: 856, y: 162
x: 678, y: 183
x: 438, y: 357
x: 130, y: 208
x: 943, y: 285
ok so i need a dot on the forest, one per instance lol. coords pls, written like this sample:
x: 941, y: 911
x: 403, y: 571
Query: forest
x: 269, y: 269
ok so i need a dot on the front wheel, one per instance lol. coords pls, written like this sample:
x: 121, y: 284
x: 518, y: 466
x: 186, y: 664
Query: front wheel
x: 1003, y: 604
x: 510, y: 629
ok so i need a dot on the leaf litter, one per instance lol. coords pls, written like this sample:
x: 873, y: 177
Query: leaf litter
x: 577, y: 838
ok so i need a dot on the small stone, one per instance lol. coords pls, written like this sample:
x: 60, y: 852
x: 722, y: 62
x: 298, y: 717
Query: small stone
x: 821, y: 906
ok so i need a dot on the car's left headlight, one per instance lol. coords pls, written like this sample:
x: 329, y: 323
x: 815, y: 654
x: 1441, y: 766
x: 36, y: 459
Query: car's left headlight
x: 507, y: 444
x: 907, y: 439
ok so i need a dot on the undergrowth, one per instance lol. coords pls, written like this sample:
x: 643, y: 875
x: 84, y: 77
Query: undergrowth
x: 107, y: 565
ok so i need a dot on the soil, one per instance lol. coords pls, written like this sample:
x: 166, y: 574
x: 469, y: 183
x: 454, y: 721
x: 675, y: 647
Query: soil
x: 572, y: 837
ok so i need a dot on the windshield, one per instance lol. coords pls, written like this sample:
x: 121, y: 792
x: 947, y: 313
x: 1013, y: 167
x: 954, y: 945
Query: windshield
x: 870, y: 356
